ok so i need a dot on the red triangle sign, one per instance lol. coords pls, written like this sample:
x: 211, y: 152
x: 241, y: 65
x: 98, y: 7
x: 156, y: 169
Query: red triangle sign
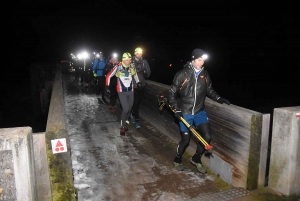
x: 59, y: 144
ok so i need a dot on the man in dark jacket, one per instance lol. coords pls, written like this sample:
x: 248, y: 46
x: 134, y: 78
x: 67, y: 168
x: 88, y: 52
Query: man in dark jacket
x: 113, y: 61
x: 143, y: 71
x: 192, y: 84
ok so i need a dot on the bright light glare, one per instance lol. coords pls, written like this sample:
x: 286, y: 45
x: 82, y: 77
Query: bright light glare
x: 204, y: 56
x: 83, y: 55
x: 115, y: 55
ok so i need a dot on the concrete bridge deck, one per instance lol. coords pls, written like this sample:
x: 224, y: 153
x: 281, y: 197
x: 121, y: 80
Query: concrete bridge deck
x: 138, y: 166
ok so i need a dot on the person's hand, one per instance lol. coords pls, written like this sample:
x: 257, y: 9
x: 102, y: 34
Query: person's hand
x: 132, y: 70
x: 107, y: 89
x: 178, y: 113
x: 223, y: 100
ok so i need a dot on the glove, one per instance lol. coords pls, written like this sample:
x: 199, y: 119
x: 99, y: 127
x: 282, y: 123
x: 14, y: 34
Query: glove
x: 118, y: 73
x: 132, y: 71
x: 178, y: 113
x: 107, y: 89
x: 95, y: 74
x: 223, y: 100
x: 139, y: 86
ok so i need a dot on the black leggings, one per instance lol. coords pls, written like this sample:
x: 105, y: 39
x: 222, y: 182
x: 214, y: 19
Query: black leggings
x: 138, y: 96
x: 204, y: 131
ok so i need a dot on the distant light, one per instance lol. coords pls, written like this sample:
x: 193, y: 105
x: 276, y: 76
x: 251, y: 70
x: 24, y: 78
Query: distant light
x: 83, y: 55
x: 171, y: 65
x: 115, y: 55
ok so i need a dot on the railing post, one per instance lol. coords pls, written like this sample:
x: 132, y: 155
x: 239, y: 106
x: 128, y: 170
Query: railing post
x: 17, y: 173
x: 284, y: 174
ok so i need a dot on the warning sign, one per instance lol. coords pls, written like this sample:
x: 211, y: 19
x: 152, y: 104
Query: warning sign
x: 59, y: 145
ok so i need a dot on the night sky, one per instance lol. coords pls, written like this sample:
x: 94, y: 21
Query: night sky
x: 253, y: 47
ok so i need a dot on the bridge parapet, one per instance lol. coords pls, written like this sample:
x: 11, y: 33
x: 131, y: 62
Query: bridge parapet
x: 239, y: 137
x: 59, y: 164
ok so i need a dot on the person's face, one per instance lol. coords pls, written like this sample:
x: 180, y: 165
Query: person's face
x: 127, y: 62
x: 113, y: 60
x: 101, y: 55
x: 198, y: 63
x: 138, y: 55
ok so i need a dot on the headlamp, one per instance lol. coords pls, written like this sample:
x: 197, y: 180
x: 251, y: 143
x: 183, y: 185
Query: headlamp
x: 204, y: 56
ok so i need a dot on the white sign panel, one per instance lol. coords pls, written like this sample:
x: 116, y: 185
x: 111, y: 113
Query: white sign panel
x: 59, y: 145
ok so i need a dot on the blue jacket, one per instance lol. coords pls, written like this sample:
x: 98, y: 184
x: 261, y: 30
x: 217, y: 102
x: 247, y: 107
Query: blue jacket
x: 98, y: 66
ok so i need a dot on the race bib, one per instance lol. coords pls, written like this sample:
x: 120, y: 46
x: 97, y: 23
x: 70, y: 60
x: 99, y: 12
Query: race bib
x: 126, y: 80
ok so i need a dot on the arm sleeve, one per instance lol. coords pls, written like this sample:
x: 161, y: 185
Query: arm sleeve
x: 111, y: 73
x: 94, y: 66
x: 147, y: 70
x: 211, y: 93
x: 173, y: 91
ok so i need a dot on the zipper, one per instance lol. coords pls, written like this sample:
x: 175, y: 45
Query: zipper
x: 195, y: 94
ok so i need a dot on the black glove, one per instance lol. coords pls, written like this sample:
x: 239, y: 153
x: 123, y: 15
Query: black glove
x: 139, y: 86
x: 107, y: 89
x: 223, y: 100
x: 178, y: 113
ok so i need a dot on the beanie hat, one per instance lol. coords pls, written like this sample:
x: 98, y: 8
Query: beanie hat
x: 138, y: 50
x: 126, y: 55
x: 197, y: 53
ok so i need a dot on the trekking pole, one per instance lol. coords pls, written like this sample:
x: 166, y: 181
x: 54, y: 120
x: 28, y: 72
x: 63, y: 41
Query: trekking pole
x: 163, y: 101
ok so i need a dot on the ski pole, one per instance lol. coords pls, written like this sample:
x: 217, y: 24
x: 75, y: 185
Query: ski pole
x: 162, y: 102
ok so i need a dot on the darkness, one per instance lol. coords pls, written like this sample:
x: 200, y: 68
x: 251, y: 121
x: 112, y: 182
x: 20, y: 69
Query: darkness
x: 253, y: 47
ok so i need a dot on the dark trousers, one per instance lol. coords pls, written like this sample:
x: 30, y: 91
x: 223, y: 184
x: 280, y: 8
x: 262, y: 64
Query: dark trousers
x: 77, y: 73
x: 138, y: 96
x: 100, y: 86
x: 205, y: 131
x: 113, y: 92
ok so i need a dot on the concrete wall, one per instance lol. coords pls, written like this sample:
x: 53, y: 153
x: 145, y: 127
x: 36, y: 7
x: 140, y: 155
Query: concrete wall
x: 17, y: 171
x: 284, y: 175
x: 240, y: 137
x: 60, y: 164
